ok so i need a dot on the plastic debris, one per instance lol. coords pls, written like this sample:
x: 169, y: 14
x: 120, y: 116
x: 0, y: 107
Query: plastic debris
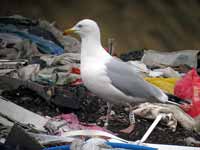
x: 46, y: 139
x: 68, y: 122
x: 99, y: 144
x: 166, y: 84
x: 189, y: 88
x: 18, y: 138
x: 176, y: 58
x: 29, y: 72
x: 70, y: 44
x: 64, y: 59
x: 151, y: 128
x: 192, y: 142
x: 168, y: 72
x: 9, y: 64
x: 58, y: 96
x: 132, y: 55
x: 45, y: 46
x: 20, y: 115
x: 171, y: 115
x: 36, y: 58
x: 48, y: 39
x: 144, y: 71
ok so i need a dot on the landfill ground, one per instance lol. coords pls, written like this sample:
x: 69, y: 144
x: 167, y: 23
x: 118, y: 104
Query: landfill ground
x: 42, y: 75
x: 92, y: 108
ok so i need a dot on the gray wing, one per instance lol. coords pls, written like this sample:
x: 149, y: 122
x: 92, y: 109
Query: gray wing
x: 125, y: 79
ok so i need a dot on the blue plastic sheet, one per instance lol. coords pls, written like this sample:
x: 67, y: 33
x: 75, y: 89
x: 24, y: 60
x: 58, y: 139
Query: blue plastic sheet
x: 113, y: 145
x: 45, y: 46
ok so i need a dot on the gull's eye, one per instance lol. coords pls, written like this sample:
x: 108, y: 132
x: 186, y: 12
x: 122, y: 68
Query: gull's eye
x: 80, y: 26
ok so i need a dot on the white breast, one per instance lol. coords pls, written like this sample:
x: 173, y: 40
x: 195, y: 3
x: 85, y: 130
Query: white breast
x: 93, y: 73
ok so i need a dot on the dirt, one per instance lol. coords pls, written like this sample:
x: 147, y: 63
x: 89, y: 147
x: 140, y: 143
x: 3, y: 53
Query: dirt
x: 92, y: 108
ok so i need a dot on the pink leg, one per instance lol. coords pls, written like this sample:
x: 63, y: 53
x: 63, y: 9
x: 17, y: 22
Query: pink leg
x: 131, y: 127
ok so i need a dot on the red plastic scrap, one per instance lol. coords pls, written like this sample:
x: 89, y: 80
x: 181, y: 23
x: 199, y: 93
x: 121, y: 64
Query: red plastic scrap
x: 76, y: 82
x: 183, y: 87
x: 195, y: 111
x: 75, y: 70
x: 189, y: 88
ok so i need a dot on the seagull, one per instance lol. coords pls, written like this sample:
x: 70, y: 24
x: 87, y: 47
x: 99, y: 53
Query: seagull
x: 108, y: 77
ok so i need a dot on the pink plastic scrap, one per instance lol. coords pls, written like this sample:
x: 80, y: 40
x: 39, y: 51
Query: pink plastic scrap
x: 69, y: 122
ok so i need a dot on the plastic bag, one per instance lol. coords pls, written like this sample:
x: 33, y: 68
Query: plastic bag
x: 189, y: 88
x: 184, y: 87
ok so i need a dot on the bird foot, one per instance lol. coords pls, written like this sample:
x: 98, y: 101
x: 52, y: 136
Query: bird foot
x: 128, y: 130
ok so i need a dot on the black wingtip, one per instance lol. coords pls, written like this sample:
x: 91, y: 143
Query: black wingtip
x: 178, y: 100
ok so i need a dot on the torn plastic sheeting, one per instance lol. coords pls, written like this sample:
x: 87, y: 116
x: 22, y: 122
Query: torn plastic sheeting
x: 30, y: 25
x: 71, y: 44
x: 171, y: 147
x: 20, y: 115
x: 9, y: 64
x: 104, y: 146
x: 42, y: 28
x: 5, y: 71
x: 143, y: 71
x: 130, y: 146
x: 7, y: 39
x: 8, y: 83
x: 168, y: 72
x: 60, y: 69
x: 166, y: 84
x: 28, y: 72
x: 115, y: 146
x: 192, y: 141
x: 59, y: 75
x: 17, y: 20
x: 154, y: 58
x: 94, y: 133
x: 173, y: 114
x: 45, y: 139
x: 68, y: 122
x: 64, y: 59
x: 75, y: 70
x: 76, y: 124
x: 44, y: 45
x: 26, y: 50
x: 189, y: 88
x: 76, y: 82
x: 57, y: 95
x: 184, y: 87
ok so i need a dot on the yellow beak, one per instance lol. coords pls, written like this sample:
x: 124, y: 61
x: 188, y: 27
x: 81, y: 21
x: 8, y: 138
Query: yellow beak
x: 69, y: 31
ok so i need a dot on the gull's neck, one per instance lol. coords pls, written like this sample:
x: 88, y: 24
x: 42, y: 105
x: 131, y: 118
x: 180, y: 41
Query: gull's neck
x: 91, y: 47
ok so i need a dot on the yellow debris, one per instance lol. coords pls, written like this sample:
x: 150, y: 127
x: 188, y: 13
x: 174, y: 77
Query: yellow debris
x: 166, y: 84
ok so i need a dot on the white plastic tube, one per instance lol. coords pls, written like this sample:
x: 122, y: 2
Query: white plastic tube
x: 151, y: 128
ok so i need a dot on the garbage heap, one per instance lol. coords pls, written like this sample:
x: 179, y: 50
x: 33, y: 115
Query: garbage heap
x: 44, y: 104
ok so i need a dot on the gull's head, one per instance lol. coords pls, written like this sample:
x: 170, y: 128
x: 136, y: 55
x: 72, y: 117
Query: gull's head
x: 84, y: 28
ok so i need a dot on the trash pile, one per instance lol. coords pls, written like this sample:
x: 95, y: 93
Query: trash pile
x: 45, y: 102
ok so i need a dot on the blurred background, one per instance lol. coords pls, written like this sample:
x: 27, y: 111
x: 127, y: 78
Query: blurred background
x: 134, y: 24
